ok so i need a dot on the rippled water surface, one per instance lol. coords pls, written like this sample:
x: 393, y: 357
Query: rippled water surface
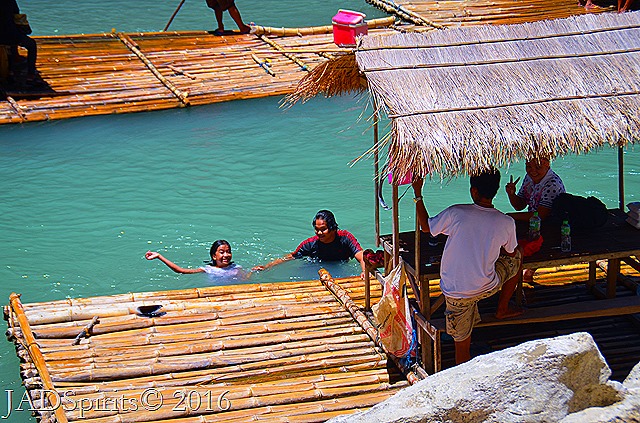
x: 83, y: 199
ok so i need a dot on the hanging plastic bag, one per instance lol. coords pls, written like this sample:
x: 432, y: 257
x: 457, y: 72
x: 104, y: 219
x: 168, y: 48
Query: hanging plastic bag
x: 392, y: 313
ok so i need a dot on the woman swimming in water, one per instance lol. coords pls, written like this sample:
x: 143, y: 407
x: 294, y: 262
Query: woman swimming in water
x: 219, y: 265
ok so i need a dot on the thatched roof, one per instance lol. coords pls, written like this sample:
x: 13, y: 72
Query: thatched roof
x: 463, y: 99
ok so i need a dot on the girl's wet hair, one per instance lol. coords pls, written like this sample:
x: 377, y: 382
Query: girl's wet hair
x: 328, y: 218
x: 214, y: 248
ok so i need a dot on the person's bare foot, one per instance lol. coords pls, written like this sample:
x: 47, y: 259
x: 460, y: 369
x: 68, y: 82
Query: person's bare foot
x: 589, y: 5
x: 245, y: 29
x: 527, y: 275
x: 510, y: 312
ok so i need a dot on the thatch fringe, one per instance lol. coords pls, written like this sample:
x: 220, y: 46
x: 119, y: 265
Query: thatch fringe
x: 467, y: 99
x: 337, y: 76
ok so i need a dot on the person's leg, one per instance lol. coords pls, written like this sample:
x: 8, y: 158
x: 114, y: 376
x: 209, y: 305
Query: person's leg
x: 461, y: 315
x: 235, y: 14
x: 218, y: 13
x: 32, y: 54
x: 511, y: 268
x: 463, y: 350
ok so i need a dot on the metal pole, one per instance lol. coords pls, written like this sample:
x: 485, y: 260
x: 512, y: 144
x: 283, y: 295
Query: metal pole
x: 376, y: 170
x: 621, y: 177
x: 396, y: 226
x: 174, y: 15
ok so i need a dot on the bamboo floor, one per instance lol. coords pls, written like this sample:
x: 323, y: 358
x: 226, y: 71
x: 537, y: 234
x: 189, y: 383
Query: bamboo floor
x: 276, y: 352
x: 111, y: 73
x: 452, y: 13
x: 617, y: 337
x: 121, y: 73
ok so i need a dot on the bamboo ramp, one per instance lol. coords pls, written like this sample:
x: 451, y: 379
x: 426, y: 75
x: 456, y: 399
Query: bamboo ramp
x: 273, y: 352
x: 431, y: 14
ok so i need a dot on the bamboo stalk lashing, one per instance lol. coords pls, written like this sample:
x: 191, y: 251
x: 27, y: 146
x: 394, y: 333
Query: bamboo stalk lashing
x: 360, y: 317
x: 264, y: 64
x: 135, y: 50
x: 86, y: 331
x: 278, y: 47
x: 36, y: 355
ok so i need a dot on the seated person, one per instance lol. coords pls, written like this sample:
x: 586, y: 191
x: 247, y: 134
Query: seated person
x: 481, y: 257
x: 540, y: 187
x: 220, y: 264
x: 13, y: 35
x: 329, y: 244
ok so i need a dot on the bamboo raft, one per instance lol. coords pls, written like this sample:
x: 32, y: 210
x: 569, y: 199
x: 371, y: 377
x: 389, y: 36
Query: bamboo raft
x: 120, y: 73
x: 263, y: 352
x: 450, y: 13
x: 110, y: 73
x: 279, y: 352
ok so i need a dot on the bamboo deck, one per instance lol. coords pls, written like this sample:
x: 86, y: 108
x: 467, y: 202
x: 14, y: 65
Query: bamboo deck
x: 264, y: 352
x: 120, y: 73
x: 452, y: 13
x: 616, y: 336
x: 280, y: 352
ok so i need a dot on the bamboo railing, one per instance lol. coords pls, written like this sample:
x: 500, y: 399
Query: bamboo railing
x: 275, y: 352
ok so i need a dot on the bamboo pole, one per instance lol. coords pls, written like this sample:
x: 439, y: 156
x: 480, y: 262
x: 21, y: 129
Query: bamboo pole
x: 135, y: 50
x: 315, y: 30
x: 174, y: 15
x: 266, y: 66
x: 278, y: 47
x: 17, y: 108
x: 402, y: 12
x: 361, y: 318
x: 36, y: 356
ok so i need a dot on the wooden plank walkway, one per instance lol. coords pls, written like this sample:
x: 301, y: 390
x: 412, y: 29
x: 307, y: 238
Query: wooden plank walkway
x: 263, y: 352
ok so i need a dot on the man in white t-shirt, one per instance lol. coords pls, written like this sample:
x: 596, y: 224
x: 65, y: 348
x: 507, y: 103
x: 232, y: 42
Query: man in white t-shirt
x: 480, y: 258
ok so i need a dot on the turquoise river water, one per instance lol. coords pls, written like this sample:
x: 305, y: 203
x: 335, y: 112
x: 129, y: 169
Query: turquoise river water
x: 83, y: 199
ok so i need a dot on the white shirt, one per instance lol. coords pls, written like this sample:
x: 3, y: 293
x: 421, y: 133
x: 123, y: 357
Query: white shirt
x: 543, y: 193
x: 475, y: 236
x: 231, y: 271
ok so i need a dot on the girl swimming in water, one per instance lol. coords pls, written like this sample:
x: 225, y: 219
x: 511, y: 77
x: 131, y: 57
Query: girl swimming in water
x: 219, y: 265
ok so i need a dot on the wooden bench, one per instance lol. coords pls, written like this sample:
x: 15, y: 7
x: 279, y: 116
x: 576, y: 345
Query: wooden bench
x: 579, y: 310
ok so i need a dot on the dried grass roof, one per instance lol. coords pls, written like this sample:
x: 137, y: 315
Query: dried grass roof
x: 464, y: 99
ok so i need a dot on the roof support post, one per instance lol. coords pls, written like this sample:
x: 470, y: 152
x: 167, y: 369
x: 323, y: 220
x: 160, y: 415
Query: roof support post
x: 396, y: 226
x: 621, y: 177
x: 376, y: 169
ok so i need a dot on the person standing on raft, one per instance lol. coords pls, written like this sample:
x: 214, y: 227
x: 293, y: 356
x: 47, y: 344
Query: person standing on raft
x: 219, y: 6
x: 329, y: 244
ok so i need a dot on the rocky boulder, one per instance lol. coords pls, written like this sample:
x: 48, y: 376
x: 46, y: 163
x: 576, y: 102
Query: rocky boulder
x: 539, y: 381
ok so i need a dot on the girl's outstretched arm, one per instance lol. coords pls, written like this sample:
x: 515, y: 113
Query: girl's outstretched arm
x: 151, y: 255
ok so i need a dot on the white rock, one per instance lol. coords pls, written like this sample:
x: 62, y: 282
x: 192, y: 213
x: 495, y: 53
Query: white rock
x: 627, y: 410
x: 538, y: 381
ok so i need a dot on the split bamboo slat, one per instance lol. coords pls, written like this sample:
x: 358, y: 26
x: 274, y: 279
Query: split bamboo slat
x: 266, y: 352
